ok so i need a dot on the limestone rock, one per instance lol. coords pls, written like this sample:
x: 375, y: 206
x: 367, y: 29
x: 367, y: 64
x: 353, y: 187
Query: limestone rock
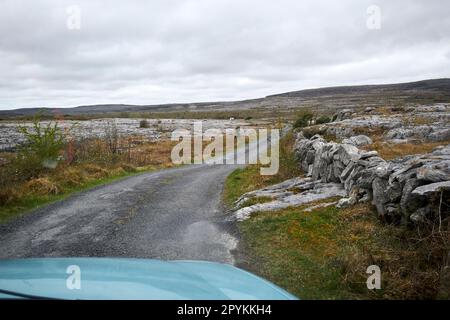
x: 435, y: 172
x: 431, y: 188
x: 282, y: 197
x: 360, y: 140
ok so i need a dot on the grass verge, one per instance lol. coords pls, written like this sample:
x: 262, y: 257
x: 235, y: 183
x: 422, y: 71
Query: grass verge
x: 324, y: 254
x: 249, y: 178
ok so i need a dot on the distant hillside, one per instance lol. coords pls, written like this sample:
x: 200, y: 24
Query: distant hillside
x: 424, y: 87
x: 426, y: 91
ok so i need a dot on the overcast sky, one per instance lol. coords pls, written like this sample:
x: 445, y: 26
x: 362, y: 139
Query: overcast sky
x: 163, y: 51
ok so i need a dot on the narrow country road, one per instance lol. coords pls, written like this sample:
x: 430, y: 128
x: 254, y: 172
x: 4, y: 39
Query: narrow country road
x: 170, y: 214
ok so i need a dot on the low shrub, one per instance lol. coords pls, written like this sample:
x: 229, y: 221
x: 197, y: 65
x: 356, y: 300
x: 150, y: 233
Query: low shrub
x: 323, y: 119
x: 144, y: 124
x: 312, y: 131
x: 303, y: 119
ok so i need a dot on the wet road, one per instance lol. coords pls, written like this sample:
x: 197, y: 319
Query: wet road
x: 170, y: 214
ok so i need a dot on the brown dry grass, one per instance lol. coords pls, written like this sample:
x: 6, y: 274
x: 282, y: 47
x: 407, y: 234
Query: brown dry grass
x: 152, y: 153
x: 385, y: 110
x: 93, y: 162
x: 94, y: 171
x: 375, y: 133
x: 410, y: 261
x: 416, y: 120
x: 72, y: 176
x: 389, y: 151
x: 41, y: 186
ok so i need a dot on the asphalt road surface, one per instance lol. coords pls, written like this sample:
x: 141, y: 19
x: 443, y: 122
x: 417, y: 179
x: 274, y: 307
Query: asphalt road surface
x: 170, y: 214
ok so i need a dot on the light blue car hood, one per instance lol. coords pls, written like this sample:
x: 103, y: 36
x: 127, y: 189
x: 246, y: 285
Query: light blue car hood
x: 105, y: 278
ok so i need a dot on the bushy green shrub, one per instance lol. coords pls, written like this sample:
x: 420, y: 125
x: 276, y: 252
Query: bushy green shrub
x: 144, y: 124
x: 303, y: 120
x: 323, y: 119
x: 42, y: 147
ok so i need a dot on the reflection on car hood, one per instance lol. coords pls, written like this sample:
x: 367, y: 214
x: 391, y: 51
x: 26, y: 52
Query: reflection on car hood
x: 111, y: 278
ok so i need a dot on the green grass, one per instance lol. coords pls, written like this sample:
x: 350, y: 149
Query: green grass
x: 31, y: 202
x: 324, y: 254
x: 249, y: 178
x: 241, y: 181
x: 292, y: 249
x: 255, y: 200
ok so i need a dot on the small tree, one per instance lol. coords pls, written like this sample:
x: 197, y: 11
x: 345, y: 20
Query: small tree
x: 112, y: 137
x: 41, y: 148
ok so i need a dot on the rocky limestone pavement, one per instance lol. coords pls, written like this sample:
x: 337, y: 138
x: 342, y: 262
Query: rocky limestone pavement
x: 435, y: 132
x: 292, y: 192
x: 157, y: 129
x: 343, y: 114
x: 360, y: 140
x: 401, y: 125
x: 348, y: 127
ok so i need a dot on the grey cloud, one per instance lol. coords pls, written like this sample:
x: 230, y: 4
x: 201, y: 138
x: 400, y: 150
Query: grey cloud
x: 197, y: 50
